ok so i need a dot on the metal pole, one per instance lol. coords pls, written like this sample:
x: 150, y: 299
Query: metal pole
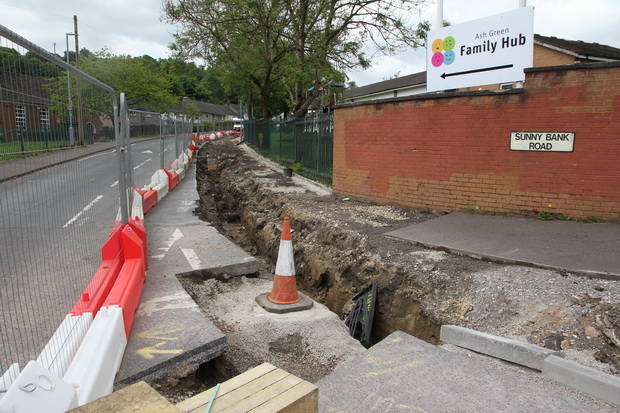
x: 77, y: 83
x: 70, y: 107
x: 439, y: 14
x: 176, y: 137
x: 519, y: 84
x: 161, y: 136
x: 119, y: 128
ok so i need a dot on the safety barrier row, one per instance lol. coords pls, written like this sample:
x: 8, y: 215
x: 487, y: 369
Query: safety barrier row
x: 79, y: 363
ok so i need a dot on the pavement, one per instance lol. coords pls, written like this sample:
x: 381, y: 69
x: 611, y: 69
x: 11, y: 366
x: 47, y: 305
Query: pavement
x: 585, y: 248
x: 403, y: 373
x: 169, y: 328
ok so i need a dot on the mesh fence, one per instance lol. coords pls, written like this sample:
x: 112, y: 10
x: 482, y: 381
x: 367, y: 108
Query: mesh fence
x: 66, y: 164
x: 304, y: 143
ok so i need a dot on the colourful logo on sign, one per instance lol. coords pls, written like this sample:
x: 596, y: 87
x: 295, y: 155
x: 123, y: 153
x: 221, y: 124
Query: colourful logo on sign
x: 442, y: 51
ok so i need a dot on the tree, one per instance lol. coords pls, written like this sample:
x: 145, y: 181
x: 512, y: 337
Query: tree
x: 295, y: 43
x: 243, y: 33
x: 143, y: 88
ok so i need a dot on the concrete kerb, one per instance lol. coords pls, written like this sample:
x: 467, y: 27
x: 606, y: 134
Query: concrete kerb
x: 525, y: 354
x: 585, y: 379
x: 551, y: 363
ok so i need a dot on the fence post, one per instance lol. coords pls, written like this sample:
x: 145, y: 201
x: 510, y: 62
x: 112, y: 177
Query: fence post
x: 161, y: 138
x: 119, y: 131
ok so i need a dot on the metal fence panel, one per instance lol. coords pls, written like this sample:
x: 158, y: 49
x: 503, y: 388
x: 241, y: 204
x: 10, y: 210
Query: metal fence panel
x: 306, y: 142
x: 53, y: 222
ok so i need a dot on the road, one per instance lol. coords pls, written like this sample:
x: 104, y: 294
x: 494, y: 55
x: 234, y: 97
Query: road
x: 52, y: 226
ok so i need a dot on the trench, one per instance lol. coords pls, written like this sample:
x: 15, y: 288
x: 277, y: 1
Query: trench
x: 331, y: 265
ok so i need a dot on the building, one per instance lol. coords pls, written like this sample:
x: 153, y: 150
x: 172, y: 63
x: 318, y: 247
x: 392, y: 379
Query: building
x: 548, y: 51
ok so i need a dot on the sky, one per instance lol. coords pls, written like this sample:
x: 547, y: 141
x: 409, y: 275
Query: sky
x: 136, y: 27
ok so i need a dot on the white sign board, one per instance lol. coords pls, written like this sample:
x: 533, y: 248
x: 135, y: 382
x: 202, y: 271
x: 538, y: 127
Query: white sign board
x: 542, y: 141
x: 492, y: 50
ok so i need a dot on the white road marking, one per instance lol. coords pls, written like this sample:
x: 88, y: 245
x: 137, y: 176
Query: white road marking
x: 147, y: 151
x: 86, y: 208
x: 136, y: 167
x: 192, y: 258
x: 114, y: 184
x: 176, y: 235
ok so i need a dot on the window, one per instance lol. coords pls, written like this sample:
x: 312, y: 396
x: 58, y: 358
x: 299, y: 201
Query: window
x: 505, y: 86
x: 20, y: 117
x: 44, y: 115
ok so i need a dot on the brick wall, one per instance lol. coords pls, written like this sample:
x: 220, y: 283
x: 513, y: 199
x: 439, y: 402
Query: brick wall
x: 451, y: 151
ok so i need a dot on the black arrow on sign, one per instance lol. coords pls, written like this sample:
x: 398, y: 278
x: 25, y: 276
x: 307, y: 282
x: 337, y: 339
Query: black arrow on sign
x: 485, y: 69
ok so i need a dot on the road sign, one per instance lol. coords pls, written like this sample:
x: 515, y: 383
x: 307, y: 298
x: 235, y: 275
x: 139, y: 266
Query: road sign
x: 542, y: 141
x: 492, y: 50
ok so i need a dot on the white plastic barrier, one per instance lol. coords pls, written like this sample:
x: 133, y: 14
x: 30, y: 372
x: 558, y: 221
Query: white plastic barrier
x: 60, y: 350
x: 136, y: 206
x: 177, y: 166
x: 159, y: 182
x: 37, y: 389
x: 189, y: 154
x: 99, y: 357
x: 184, y: 161
x: 8, y: 378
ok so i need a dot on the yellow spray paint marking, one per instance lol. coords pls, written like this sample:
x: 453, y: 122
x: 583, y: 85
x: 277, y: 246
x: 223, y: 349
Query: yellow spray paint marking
x: 158, y: 333
x: 148, y: 352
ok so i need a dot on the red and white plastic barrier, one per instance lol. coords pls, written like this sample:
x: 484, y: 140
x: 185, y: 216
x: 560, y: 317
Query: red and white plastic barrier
x: 95, y: 364
x: 87, y: 352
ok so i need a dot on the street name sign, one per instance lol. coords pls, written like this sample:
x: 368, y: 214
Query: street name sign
x: 491, y: 50
x: 542, y: 141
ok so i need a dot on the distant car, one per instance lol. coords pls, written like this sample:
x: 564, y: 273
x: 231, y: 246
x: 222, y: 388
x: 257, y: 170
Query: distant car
x: 237, y: 127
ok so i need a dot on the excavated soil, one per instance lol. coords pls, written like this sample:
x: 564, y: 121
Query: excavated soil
x: 340, y: 249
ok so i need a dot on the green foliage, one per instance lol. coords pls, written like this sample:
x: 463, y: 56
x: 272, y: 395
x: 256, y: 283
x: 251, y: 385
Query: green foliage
x: 591, y: 219
x: 143, y: 88
x: 285, y: 52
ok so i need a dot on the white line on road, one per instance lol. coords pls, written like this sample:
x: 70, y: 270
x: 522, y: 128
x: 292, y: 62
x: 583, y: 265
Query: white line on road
x: 192, y: 258
x: 147, y: 151
x: 86, y: 208
x: 114, y: 184
x: 176, y: 235
x: 136, y: 167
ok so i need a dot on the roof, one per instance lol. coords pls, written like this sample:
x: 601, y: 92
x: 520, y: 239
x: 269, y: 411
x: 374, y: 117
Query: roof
x: 205, y: 107
x: 574, y: 47
x: 20, y: 88
x: 578, y: 47
x: 386, y: 85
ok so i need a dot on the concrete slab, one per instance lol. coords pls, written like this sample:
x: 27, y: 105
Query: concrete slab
x: 524, y: 354
x: 585, y: 379
x: 169, y: 327
x: 402, y: 373
x: 590, y: 249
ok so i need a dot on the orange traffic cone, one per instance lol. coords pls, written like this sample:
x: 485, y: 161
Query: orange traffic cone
x: 284, y: 289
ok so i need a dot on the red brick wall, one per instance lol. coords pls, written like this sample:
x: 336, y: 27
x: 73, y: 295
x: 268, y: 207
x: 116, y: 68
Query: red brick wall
x: 452, y: 152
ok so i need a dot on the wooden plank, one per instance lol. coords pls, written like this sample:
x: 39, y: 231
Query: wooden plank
x: 223, y: 401
x: 200, y: 400
x: 303, y: 398
x: 256, y: 399
x: 137, y: 398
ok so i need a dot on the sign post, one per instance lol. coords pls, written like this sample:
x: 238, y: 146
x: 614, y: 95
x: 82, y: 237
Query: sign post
x: 491, y: 50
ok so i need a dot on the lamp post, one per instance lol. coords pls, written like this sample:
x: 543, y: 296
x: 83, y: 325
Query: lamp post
x: 70, y: 106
